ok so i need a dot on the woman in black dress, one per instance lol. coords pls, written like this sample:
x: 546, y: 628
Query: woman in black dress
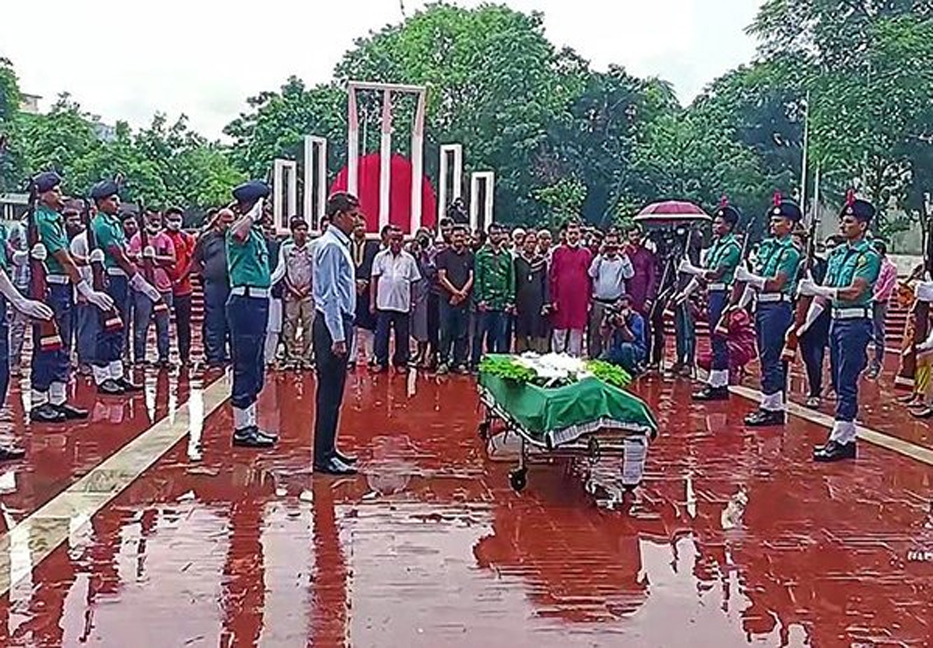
x: 532, y: 298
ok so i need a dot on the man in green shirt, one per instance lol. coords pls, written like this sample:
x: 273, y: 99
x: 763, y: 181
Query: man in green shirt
x: 248, y: 312
x: 774, y: 283
x: 494, y: 293
x: 51, y: 253
x: 851, y: 273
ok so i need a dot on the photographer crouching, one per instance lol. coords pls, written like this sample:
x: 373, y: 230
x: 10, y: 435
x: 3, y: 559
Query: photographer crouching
x: 623, y: 330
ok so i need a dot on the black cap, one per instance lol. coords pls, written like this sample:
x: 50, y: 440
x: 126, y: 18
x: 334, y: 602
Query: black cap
x: 729, y: 213
x: 249, y: 192
x: 104, y: 189
x: 47, y: 181
x: 862, y: 210
x: 786, y: 208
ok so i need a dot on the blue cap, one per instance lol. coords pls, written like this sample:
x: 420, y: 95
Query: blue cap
x: 729, y: 213
x: 787, y: 209
x: 250, y: 192
x: 104, y: 189
x: 47, y: 181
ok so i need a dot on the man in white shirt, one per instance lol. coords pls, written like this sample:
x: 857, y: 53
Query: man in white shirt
x: 394, y: 271
x: 609, y: 272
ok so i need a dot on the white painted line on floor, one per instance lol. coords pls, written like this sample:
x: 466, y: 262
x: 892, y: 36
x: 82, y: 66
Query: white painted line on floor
x: 33, y: 539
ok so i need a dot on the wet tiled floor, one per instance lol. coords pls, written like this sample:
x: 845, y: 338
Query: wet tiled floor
x: 431, y: 547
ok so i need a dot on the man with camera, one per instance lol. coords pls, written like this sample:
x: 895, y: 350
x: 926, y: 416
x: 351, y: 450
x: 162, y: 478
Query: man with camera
x: 624, y: 332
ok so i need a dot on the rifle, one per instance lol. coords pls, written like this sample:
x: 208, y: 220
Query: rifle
x: 738, y: 288
x: 111, y: 319
x: 920, y: 316
x: 148, y: 266
x: 791, y: 342
x: 49, y: 337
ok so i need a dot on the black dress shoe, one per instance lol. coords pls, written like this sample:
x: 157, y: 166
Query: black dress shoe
x: 350, y: 461
x: 110, y: 387
x: 128, y: 387
x: 46, y: 413
x: 709, y: 393
x: 925, y: 413
x: 11, y: 454
x: 72, y: 413
x: 833, y: 451
x: 251, y: 437
x: 334, y: 466
x: 764, y: 418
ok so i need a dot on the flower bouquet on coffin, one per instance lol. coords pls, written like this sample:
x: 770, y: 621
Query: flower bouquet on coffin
x: 553, y: 370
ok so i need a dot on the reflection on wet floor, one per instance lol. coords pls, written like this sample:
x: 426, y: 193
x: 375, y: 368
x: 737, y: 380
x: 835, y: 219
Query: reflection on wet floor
x: 734, y: 538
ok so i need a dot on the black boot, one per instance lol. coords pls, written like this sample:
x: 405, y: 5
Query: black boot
x: 710, y: 393
x: 252, y: 437
x: 834, y: 451
x: 764, y: 418
x: 110, y: 387
x: 72, y: 413
x: 9, y: 453
x: 46, y: 413
x: 333, y: 466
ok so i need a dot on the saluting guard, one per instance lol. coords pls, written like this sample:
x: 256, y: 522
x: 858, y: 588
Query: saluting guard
x: 774, y: 283
x: 248, y: 311
x: 51, y: 364
x: 850, y: 277
x: 122, y: 274
x: 717, y: 274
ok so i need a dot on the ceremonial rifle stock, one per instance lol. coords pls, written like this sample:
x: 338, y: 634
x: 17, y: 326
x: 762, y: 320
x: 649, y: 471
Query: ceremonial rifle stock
x: 111, y: 319
x: 920, y: 315
x: 738, y: 288
x: 148, y: 266
x: 789, y: 353
x: 49, y: 337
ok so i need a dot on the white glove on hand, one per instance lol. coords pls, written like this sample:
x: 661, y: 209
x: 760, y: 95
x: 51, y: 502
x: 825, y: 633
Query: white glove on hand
x: 98, y: 299
x: 139, y: 284
x: 689, y: 269
x: 39, y: 253
x: 924, y: 291
x: 34, y: 310
x: 96, y: 256
x: 689, y: 290
x: 810, y: 288
x: 20, y: 258
x: 746, y: 297
x: 149, y: 252
x: 926, y: 346
x: 742, y: 274
x: 813, y: 313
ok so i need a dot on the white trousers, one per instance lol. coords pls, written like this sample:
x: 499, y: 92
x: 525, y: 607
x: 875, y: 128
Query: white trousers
x: 568, y: 341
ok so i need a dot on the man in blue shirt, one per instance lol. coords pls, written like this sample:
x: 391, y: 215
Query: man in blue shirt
x: 334, y: 288
x: 625, y: 328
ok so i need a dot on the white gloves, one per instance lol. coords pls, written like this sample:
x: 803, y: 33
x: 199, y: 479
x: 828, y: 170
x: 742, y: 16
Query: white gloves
x: 99, y: 299
x: 688, y: 268
x: 20, y: 258
x: 39, y: 253
x: 96, y: 256
x: 742, y: 274
x: 28, y: 307
x: 139, y: 284
x: 149, y: 252
x: 925, y: 291
x: 926, y: 346
x: 810, y: 288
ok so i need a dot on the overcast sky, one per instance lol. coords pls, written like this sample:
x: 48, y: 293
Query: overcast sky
x: 204, y: 58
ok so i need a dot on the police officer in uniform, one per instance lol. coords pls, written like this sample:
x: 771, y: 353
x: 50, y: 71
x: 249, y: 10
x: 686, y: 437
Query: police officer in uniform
x: 51, y: 369
x: 717, y: 274
x: 774, y: 283
x: 9, y: 295
x: 248, y: 311
x: 851, y: 273
x: 122, y: 274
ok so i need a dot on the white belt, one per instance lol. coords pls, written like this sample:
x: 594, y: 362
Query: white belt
x: 772, y: 298
x: 717, y: 287
x: 856, y: 312
x: 116, y: 272
x: 250, y: 291
x: 60, y: 280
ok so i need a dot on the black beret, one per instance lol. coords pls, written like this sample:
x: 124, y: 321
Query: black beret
x: 104, y: 189
x: 47, y: 181
x: 250, y: 192
x: 729, y: 213
x: 787, y: 209
x: 862, y: 210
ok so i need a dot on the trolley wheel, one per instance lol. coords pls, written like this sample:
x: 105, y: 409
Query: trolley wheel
x: 484, y: 430
x: 518, y: 479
